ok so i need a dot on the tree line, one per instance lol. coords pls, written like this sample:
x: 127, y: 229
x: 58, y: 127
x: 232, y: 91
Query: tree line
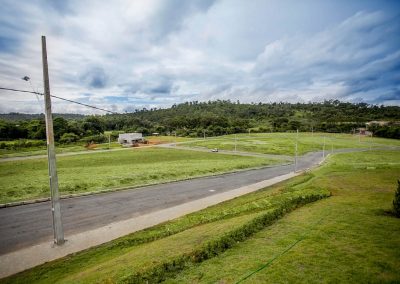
x: 212, y: 118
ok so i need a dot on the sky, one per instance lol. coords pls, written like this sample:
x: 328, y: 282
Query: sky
x: 124, y: 55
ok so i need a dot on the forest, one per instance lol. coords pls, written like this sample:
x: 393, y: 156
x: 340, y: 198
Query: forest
x: 194, y: 119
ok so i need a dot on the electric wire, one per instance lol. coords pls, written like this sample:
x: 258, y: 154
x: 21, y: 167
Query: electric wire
x: 60, y: 98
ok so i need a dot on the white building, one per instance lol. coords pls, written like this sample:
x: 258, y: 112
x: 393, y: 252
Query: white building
x: 129, y: 139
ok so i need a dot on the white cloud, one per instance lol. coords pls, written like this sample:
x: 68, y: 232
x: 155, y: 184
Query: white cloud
x: 133, y: 54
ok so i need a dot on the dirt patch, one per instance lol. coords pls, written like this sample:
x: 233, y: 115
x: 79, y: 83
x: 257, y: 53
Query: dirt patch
x: 153, y: 141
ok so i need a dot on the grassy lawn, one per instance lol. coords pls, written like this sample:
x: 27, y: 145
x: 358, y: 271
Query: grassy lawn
x: 284, y: 143
x: 347, y: 238
x: 28, y: 179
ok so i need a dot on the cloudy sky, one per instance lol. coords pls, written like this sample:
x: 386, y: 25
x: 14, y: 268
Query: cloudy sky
x: 125, y: 54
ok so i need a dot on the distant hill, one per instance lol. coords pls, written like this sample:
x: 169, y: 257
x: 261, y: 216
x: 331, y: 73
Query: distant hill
x: 213, y: 118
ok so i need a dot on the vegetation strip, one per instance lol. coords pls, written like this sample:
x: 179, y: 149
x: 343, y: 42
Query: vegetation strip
x: 213, y: 248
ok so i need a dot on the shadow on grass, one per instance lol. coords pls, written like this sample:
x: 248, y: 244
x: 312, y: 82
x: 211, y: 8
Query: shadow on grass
x: 385, y: 212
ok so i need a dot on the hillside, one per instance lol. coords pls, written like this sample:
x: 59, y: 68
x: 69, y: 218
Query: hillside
x: 214, y: 118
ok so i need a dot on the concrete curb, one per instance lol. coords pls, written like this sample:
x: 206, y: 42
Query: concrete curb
x: 26, y: 258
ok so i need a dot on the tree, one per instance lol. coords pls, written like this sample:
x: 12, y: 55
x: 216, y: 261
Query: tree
x: 396, y: 201
x: 93, y: 125
x: 60, y: 126
x: 36, y: 129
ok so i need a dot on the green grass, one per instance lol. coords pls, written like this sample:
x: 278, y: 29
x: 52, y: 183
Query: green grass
x: 28, y: 179
x: 77, y: 146
x: 284, y: 143
x: 156, y: 251
x: 42, y: 150
x: 348, y: 238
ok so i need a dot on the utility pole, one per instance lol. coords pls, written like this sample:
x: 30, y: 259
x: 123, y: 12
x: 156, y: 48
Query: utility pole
x: 204, y: 134
x: 51, y: 154
x: 109, y: 140
x: 323, y: 148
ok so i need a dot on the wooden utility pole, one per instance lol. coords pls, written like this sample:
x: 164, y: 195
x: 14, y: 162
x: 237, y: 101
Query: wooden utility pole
x: 51, y: 154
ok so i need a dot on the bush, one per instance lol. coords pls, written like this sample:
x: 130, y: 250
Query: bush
x: 396, y: 201
x: 101, y: 138
x: 68, y: 138
x: 21, y: 144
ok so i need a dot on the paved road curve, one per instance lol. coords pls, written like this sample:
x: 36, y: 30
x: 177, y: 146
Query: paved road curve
x: 25, y: 225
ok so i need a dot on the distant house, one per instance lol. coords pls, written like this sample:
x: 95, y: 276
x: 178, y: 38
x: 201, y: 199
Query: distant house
x: 130, y: 139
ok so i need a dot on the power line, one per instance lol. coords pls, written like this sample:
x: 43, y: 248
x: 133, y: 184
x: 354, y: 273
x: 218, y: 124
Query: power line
x: 63, y: 99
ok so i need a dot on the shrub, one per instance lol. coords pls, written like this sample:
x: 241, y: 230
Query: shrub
x: 95, y: 139
x: 68, y: 138
x: 396, y: 201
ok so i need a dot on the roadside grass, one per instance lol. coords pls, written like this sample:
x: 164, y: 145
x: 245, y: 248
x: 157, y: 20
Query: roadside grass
x: 284, y: 143
x: 350, y: 237
x: 151, y: 255
x: 28, y: 179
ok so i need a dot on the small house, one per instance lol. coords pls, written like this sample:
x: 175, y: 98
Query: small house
x: 130, y: 139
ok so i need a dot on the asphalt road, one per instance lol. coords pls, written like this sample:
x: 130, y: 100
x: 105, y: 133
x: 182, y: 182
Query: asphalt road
x: 26, y: 225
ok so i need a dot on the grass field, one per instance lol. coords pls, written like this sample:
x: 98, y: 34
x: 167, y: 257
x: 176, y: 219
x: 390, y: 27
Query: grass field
x: 42, y: 150
x: 284, y: 143
x: 347, y: 238
x: 350, y: 237
x: 28, y: 179
x: 77, y: 147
